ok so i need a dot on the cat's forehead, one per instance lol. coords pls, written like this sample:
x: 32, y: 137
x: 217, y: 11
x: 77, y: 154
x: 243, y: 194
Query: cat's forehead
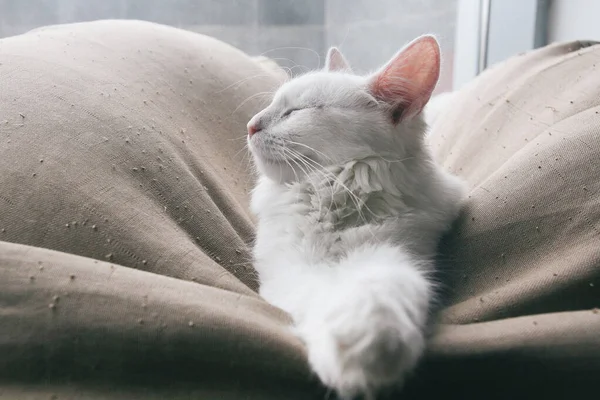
x: 321, y: 85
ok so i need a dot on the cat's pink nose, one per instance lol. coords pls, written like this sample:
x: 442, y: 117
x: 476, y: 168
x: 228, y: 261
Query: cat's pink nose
x: 252, y: 128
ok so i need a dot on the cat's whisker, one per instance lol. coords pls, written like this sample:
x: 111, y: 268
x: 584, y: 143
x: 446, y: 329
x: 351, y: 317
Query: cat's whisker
x: 245, y: 147
x: 291, y: 167
x: 306, y: 69
x: 245, y: 151
x: 250, y: 98
x: 395, y: 161
x: 341, y: 45
x: 245, y: 160
x: 297, y: 157
x: 329, y: 176
x: 319, y: 170
x: 288, y: 72
x: 250, y: 167
x: 317, y: 193
x: 241, y: 81
x: 301, y: 169
x: 286, y: 59
x: 310, y: 148
x: 238, y: 138
x: 359, y: 203
x: 295, y: 48
x: 306, y: 172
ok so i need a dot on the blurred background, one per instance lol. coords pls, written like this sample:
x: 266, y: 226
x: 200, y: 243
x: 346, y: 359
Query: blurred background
x: 297, y: 33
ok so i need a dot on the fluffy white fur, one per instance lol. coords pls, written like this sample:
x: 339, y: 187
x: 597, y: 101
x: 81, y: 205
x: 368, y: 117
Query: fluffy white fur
x: 350, y: 207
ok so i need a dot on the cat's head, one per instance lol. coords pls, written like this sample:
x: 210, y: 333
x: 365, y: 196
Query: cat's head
x: 333, y: 116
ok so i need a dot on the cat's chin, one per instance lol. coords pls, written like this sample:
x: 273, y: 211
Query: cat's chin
x: 276, y: 170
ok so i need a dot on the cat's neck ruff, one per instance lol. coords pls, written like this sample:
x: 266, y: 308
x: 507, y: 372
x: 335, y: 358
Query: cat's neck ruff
x: 354, y: 193
x: 363, y: 200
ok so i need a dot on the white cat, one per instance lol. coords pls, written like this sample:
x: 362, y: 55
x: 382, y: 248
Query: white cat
x: 350, y: 208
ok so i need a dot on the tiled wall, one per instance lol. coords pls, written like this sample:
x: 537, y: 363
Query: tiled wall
x: 296, y: 32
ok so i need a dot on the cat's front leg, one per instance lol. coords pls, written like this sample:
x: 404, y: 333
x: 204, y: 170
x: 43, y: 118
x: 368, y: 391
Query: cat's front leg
x: 366, y: 331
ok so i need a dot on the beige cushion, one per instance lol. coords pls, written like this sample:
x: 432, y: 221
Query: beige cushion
x: 122, y: 151
x: 522, y: 266
x: 124, y: 264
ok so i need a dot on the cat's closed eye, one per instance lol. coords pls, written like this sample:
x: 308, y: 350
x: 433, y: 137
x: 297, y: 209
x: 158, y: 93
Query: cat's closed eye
x: 372, y: 103
x: 287, y: 112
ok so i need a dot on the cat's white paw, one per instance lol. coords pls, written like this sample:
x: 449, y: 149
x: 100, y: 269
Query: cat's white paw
x: 359, y: 350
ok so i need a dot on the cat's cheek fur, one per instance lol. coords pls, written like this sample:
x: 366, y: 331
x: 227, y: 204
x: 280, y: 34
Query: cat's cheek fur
x: 277, y: 171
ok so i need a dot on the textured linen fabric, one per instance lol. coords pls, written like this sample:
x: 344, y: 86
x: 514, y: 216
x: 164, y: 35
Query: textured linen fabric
x: 521, y: 268
x: 124, y: 223
x: 124, y: 228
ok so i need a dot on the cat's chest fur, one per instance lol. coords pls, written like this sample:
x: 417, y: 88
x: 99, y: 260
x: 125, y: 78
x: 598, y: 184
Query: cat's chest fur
x: 301, y: 235
x: 308, y: 227
x: 298, y: 225
x: 314, y: 224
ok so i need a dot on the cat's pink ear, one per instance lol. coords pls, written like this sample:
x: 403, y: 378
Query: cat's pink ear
x: 335, y: 61
x: 407, y: 81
